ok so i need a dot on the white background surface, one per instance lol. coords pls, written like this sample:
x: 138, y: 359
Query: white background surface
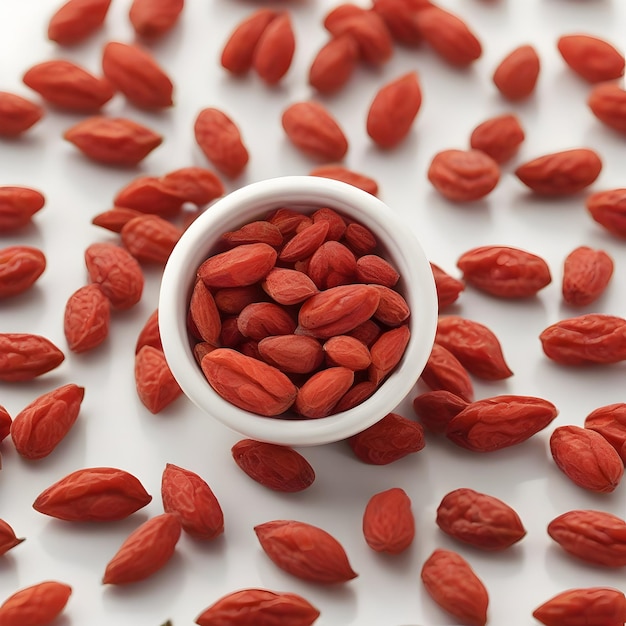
x: 115, y: 429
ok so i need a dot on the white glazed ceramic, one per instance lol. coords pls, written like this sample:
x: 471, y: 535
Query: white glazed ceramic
x: 255, y: 201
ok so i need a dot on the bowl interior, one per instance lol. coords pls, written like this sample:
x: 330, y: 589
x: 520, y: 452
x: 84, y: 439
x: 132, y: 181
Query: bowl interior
x: 396, y: 243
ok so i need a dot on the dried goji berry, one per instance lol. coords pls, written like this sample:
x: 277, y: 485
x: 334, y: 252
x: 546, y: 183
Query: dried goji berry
x: 40, y: 426
x: 252, y: 607
x: 188, y: 496
x: 455, y: 587
x: 93, y: 494
x: 277, y: 467
x: 36, y: 605
x: 388, y: 522
x: 499, y: 422
x: 305, y: 551
x: 388, y: 440
x: 145, y: 551
x: 156, y: 386
x: 585, y: 339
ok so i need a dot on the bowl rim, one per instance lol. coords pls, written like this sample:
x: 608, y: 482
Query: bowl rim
x: 257, y: 198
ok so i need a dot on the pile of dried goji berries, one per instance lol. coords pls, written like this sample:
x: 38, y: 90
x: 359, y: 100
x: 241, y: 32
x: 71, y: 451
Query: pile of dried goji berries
x: 493, y: 492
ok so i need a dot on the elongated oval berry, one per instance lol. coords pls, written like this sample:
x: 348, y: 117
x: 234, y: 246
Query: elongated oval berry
x: 289, y: 221
x: 338, y: 310
x: 241, y: 266
x: 135, y: 73
x: 448, y: 35
x: 75, y: 20
x: 561, y: 173
x: 305, y: 551
x: 36, y: 605
x: 504, y: 271
x: 388, y: 440
x: 264, y: 319
x: 334, y: 64
x: 20, y: 267
x: 597, y: 537
x: 287, y: 286
x: 347, y: 351
x: 280, y: 468
x: 443, y: 370
x: 586, y: 458
x: 114, y: 141
x: 149, y: 194
x: 258, y: 231
x: 17, y: 115
x: 586, y: 339
x: 188, y: 496
x: 474, y: 345
x: 607, y: 101
x: 24, y: 356
x: 93, y: 494
x: 610, y: 422
x: 463, y: 175
x: 592, y: 58
x: 516, y: 75
x: 371, y: 268
x: 156, y: 386
x: 238, y: 50
x: 248, y: 383
x: 40, y: 426
x: 454, y: 586
x: 115, y: 218
x: 220, y: 140
x: 586, y: 275
x: 500, y: 137
x: 305, y: 242
x: 274, y: 50
x: 145, y: 551
x: 86, y: 318
x: 18, y: 205
x: 69, y: 86
x: 150, y: 238
x: 583, y: 606
x: 608, y: 208
x: 152, y: 20
x: 387, y: 351
x: 498, y: 422
x: 320, y: 393
x: 332, y: 264
x: 360, y: 239
x: 230, y: 301
x: 478, y: 519
x: 117, y: 273
x: 388, y: 522
x: 204, y: 313
x: 294, y: 354
x: 197, y: 185
x: 393, y: 110
x: 252, y: 607
x: 312, y: 129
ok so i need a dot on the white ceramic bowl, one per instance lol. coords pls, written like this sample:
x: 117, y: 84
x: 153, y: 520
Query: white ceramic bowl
x: 255, y: 201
